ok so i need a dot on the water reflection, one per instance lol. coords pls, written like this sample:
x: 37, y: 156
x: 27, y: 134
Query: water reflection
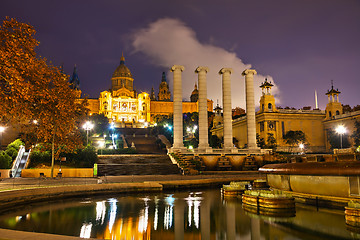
x: 180, y: 215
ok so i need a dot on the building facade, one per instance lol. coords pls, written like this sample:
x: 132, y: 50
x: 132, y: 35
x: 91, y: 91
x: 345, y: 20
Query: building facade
x: 124, y: 106
x: 277, y: 122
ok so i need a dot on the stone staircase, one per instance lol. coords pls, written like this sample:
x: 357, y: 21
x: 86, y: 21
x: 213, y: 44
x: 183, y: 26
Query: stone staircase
x: 143, y: 143
x: 136, y: 164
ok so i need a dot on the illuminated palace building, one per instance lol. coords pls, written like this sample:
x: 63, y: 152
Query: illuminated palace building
x: 125, y: 107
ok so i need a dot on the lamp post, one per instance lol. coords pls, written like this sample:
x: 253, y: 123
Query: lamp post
x: 301, y: 146
x: 88, y: 126
x: 2, y: 129
x: 341, y: 130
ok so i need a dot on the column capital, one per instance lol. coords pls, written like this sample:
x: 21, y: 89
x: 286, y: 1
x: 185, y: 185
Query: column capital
x: 200, y: 69
x: 224, y: 70
x: 173, y: 68
x: 249, y: 72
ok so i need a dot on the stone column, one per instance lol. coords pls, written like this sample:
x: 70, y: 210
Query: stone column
x: 250, y: 108
x: 203, y: 114
x: 227, y: 111
x: 178, y: 112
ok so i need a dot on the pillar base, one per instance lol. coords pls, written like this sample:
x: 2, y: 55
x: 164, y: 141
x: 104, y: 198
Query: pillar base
x: 231, y: 150
x: 205, y: 149
x: 178, y: 149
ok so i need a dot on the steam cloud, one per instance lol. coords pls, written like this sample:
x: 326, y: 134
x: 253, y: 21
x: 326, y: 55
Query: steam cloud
x: 168, y: 41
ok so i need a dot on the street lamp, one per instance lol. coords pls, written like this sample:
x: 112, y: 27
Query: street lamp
x: 341, y: 130
x: 88, y: 126
x: 2, y: 129
x: 301, y: 146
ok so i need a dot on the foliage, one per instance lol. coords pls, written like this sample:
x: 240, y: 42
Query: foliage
x: 335, y: 139
x: 39, y: 157
x: 260, y: 141
x: 271, y: 141
x: 101, y: 123
x: 32, y: 89
x: 294, y: 138
x: 16, y: 144
x: 356, y: 134
x: 215, y: 142
x: 5, y: 160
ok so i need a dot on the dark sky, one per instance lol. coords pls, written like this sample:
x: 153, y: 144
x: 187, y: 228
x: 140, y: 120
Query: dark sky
x: 300, y: 44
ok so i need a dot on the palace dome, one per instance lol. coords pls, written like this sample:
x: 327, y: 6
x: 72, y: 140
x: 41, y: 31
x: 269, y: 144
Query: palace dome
x: 122, y: 70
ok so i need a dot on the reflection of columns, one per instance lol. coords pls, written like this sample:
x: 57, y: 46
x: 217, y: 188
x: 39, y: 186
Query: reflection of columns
x: 230, y: 222
x: 226, y: 90
x: 178, y: 115
x: 255, y: 229
x: 179, y: 220
x: 203, y: 114
x: 250, y: 108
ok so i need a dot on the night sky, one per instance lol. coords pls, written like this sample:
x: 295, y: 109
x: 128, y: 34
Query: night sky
x: 300, y: 45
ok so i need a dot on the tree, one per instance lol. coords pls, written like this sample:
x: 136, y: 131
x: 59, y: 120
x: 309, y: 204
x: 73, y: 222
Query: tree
x: 35, y: 94
x: 271, y: 141
x: 356, y: 134
x: 260, y: 141
x: 335, y: 141
x: 294, y: 138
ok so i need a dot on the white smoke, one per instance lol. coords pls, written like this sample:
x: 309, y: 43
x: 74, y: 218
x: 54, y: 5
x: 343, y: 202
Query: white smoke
x: 167, y: 42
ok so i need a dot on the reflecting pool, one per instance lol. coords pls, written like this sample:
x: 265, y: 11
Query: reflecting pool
x: 179, y: 215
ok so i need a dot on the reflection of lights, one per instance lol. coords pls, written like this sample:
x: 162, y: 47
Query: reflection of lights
x: 170, y: 200
x: 18, y: 218
x: 196, y: 213
x: 144, y: 216
x: 156, y: 217
x: 143, y: 219
x: 189, y: 212
x: 113, y: 208
x: 168, y: 217
x: 100, y: 211
x: 194, y: 202
x: 85, y: 231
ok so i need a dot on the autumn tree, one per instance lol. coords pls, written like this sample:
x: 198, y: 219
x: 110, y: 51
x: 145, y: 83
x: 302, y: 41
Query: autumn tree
x: 35, y: 94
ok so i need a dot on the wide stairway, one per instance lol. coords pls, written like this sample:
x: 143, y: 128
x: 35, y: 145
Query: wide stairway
x: 136, y: 164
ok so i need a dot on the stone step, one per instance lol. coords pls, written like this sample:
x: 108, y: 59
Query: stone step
x: 136, y: 169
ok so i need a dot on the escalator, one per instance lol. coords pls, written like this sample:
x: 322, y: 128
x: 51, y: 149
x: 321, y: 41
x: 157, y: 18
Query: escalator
x: 20, y: 162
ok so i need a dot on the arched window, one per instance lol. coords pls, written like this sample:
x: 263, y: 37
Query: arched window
x: 329, y: 114
x: 262, y: 107
x: 337, y: 112
x: 270, y: 106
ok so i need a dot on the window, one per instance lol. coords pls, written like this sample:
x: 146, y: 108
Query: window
x: 261, y: 126
x: 329, y: 114
x: 270, y: 107
x: 283, y: 128
x: 337, y: 112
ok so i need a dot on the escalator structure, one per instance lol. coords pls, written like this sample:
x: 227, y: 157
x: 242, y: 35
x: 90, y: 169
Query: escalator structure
x: 20, y: 162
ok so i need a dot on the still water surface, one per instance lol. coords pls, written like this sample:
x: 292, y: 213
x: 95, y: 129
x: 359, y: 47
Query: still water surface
x: 179, y: 215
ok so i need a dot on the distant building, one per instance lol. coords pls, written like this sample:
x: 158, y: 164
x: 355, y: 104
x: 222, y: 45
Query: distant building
x: 124, y: 106
x: 271, y: 120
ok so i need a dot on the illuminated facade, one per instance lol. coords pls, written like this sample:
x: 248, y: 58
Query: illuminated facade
x: 123, y: 106
x: 277, y: 121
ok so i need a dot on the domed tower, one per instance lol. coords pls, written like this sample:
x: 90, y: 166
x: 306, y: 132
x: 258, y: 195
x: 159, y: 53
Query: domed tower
x: 122, y: 79
x: 334, y: 106
x: 267, y: 100
x: 195, y: 94
x: 164, y: 93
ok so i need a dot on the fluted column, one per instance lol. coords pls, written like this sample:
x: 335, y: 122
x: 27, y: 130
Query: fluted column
x: 178, y: 115
x: 203, y: 114
x: 250, y: 108
x: 226, y: 92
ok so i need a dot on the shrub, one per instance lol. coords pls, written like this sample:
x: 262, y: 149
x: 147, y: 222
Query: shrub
x: 11, y: 152
x: 38, y: 157
x: 16, y: 144
x: 86, y: 157
x: 5, y: 160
